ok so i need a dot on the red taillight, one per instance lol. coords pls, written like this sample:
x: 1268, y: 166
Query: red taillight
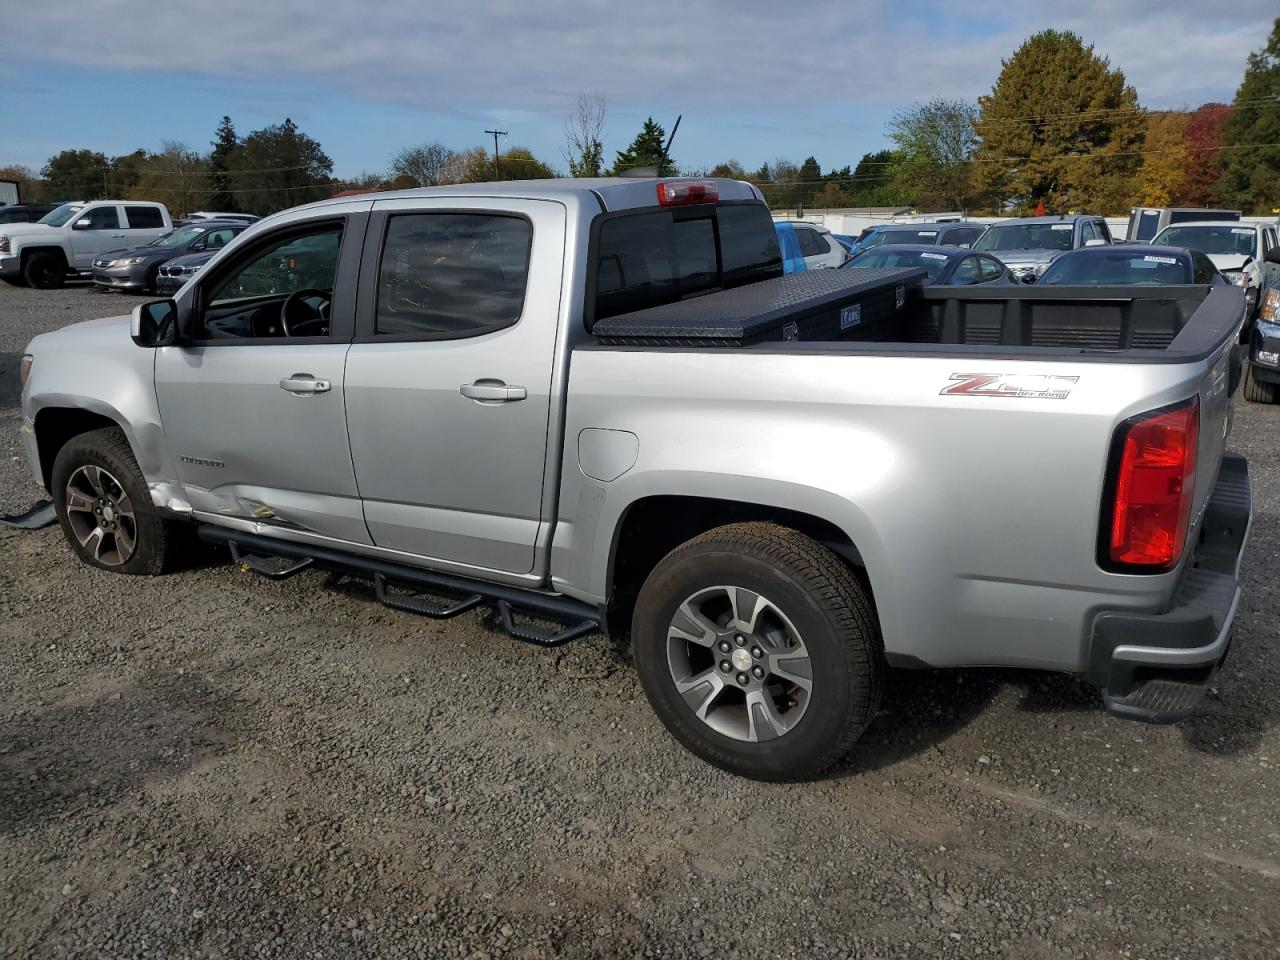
x: 1154, y: 478
x: 674, y: 193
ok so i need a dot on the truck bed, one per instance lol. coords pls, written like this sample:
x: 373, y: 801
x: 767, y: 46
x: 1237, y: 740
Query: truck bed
x: 892, y: 309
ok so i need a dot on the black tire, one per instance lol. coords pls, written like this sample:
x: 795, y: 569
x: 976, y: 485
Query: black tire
x: 149, y: 285
x: 828, y: 607
x: 44, y: 271
x: 154, y: 538
x: 1255, y: 391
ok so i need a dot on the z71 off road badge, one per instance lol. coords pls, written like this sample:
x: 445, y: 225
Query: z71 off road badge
x: 1040, y: 386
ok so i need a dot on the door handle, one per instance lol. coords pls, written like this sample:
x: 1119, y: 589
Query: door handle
x: 492, y: 391
x: 304, y: 384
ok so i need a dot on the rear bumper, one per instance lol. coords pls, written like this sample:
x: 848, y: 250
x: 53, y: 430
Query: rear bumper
x: 1156, y: 667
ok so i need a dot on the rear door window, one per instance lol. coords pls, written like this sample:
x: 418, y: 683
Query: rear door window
x: 992, y: 269
x: 451, y: 275
x: 144, y: 218
x: 968, y: 272
x: 661, y: 256
x: 961, y: 236
x: 811, y: 242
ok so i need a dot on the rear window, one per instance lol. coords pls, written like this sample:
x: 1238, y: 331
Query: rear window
x: 661, y: 256
x: 921, y: 235
x: 1115, y: 268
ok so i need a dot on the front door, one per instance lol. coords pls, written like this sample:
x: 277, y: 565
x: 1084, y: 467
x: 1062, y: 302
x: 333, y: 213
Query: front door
x: 103, y: 231
x: 449, y: 380
x: 252, y: 402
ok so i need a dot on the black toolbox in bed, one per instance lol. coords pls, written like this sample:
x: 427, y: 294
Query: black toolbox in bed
x: 816, y: 305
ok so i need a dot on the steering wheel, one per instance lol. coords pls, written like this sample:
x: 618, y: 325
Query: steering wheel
x: 317, y: 324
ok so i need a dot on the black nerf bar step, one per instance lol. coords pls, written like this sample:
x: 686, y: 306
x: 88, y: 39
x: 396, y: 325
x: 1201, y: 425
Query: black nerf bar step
x: 257, y: 553
x: 271, y: 567
x: 411, y: 603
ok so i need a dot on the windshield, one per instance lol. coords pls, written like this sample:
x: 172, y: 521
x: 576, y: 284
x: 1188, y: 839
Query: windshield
x: 1115, y: 268
x: 1027, y: 236
x: 1228, y: 240
x: 923, y: 235
x: 178, y: 238
x: 932, y: 263
x: 60, y: 215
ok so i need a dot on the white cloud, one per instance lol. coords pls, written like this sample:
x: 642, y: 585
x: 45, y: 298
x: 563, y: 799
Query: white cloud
x: 751, y: 56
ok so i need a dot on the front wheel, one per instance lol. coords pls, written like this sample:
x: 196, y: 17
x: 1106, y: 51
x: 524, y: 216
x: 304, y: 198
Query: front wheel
x: 758, y: 650
x: 44, y: 271
x: 104, y: 507
x: 1257, y: 391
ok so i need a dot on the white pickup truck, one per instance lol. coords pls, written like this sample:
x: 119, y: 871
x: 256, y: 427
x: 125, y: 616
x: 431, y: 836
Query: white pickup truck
x: 64, y: 242
x: 599, y: 403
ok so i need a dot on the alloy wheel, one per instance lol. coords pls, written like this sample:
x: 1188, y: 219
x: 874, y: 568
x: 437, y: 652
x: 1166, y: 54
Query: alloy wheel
x: 739, y: 663
x: 100, y: 514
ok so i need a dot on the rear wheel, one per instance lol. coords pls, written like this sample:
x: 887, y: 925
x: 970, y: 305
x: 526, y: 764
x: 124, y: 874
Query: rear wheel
x: 104, y: 506
x: 758, y: 650
x: 1256, y: 391
x: 44, y: 271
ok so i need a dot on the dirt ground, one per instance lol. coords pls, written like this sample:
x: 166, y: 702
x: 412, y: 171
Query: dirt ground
x: 212, y: 765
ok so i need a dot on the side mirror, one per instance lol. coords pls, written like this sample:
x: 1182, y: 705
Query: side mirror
x: 155, y: 324
x: 1096, y: 242
x: 1272, y: 255
x: 83, y: 224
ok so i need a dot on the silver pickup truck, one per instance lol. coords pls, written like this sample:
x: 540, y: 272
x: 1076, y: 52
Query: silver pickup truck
x: 597, y: 405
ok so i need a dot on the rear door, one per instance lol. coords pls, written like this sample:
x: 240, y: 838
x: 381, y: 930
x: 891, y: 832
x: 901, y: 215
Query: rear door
x: 95, y: 230
x: 448, y: 384
x: 143, y: 223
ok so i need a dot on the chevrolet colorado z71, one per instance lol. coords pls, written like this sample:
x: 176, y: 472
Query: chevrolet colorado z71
x: 598, y: 404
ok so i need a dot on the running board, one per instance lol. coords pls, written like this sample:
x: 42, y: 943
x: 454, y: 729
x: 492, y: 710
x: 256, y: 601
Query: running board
x: 41, y: 515
x: 281, y: 559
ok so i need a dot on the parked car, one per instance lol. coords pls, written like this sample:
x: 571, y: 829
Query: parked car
x: 138, y: 268
x: 1146, y: 222
x: 1262, y: 377
x: 1137, y: 264
x: 67, y: 240
x: 1028, y: 245
x: 959, y: 233
x: 24, y: 212
x: 808, y: 246
x: 1246, y: 253
x: 943, y: 266
x: 175, y: 273
x: 535, y: 393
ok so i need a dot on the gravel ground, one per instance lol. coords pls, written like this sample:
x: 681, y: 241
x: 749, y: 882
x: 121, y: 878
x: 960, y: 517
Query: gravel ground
x: 213, y: 765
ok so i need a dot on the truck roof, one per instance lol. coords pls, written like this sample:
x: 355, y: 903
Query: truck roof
x: 611, y: 193
x: 1059, y: 218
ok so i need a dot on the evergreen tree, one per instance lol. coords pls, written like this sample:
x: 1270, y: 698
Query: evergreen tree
x: 1059, y: 126
x: 645, y: 150
x: 279, y: 167
x: 225, y: 144
x: 1251, y: 174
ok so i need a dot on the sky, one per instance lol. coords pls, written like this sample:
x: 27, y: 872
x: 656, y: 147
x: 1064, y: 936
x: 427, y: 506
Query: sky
x: 753, y: 80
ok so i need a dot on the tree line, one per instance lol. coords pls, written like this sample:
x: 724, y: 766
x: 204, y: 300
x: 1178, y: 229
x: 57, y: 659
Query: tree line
x: 1061, y: 129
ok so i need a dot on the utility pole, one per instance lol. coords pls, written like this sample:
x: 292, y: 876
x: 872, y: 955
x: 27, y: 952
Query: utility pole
x: 496, y: 135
